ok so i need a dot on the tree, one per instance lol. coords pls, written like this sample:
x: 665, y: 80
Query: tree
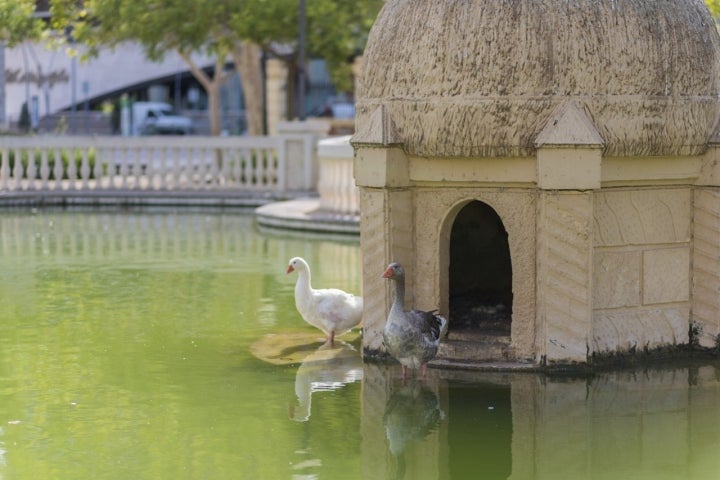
x: 237, y: 29
x: 160, y: 27
x: 17, y: 22
x: 336, y: 31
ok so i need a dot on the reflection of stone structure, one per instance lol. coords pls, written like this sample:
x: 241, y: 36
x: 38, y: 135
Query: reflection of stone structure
x: 532, y: 166
x: 660, y: 423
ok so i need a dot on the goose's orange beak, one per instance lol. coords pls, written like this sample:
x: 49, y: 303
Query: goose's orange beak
x: 388, y: 273
x: 290, y: 269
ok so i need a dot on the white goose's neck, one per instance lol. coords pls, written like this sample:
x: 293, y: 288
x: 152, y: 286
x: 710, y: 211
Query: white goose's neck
x: 302, y: 285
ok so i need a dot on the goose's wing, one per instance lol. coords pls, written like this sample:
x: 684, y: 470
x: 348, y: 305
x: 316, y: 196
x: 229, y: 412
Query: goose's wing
x: 338, y: 306
x: 429, y: 323
x: 332, y: 299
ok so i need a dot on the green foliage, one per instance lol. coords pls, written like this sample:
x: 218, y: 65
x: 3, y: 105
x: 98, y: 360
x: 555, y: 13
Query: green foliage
x: 17, y: 22
x: 336, y: 30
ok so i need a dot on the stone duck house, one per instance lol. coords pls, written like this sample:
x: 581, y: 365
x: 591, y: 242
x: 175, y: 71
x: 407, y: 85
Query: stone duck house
x: 547, y: 172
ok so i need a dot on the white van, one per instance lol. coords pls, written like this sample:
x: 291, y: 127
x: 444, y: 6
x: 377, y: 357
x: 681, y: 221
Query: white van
x: 158, y: 118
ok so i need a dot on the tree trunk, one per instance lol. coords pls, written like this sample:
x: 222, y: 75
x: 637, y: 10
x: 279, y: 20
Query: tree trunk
x: 247, y: 57
x: 211, y: 86
x: 213, y: 93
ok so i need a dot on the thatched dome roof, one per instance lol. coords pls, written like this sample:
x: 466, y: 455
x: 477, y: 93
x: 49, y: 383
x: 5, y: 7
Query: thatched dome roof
x: 482, y: 78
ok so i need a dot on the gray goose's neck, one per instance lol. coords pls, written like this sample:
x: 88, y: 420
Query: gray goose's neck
x: 399, y: 303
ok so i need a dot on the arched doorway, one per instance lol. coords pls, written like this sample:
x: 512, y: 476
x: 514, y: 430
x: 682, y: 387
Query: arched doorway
x: 480, y: 272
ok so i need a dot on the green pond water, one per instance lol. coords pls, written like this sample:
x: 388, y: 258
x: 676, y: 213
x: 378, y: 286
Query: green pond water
x: 165, y: 344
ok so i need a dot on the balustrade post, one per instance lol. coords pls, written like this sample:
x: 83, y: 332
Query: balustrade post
x: 31, y: 171
x: 84, y: 169
x: 4, y: 169
x: 18, y: 169
x: 72, y: 169
x: 44, y: 169
x: 337, y: 189
x: 58, y: 169
x: 300, y: 152
x: 162, y: 169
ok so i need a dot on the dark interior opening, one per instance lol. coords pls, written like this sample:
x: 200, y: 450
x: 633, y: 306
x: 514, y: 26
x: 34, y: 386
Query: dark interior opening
x: 480, y: 272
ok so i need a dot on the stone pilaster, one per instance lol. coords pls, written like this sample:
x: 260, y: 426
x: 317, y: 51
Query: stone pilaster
x: 386, y: 226
x: 564, y: 276
x: 386, y: 219
x: 384, y: 230
x: 706, y: 252
x: 569, y: 160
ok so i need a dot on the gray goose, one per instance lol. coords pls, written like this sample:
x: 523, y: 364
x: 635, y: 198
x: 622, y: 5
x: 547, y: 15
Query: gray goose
x: 411, y: 336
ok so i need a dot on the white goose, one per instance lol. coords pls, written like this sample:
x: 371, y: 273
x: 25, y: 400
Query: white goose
x: 331, y: 310
x: 411, y: 336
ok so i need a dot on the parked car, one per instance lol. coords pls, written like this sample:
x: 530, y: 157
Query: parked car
x: 159, y: 118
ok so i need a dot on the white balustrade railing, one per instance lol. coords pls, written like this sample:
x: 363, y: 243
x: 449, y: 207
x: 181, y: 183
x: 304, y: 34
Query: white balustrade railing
x: 162, y: 163
x: 336, y: 185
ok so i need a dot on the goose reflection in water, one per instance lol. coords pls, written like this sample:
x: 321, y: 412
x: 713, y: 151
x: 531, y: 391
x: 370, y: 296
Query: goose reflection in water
x: 328, y: 368
x: 412, y: 412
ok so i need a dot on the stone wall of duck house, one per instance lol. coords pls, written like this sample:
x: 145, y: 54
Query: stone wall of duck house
x: 411, y: 224
x: 605, y: 270
x: 706, y: 251
x: 641, y: 268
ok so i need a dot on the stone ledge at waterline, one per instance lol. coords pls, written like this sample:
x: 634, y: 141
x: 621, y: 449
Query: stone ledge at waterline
x: 657, y: 357
x: 305, y: 214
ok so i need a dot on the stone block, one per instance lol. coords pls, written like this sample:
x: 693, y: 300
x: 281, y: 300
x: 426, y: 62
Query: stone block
x: 639, y: 329
x: 569, y: 168
x: 381, y: 167
x: 642, y: 217
x: 710, y: 169
x: 616, y: 279
x: 666, y: 275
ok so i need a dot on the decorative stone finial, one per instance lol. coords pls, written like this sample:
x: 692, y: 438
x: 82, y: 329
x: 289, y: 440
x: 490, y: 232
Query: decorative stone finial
x: 378, y: 129
x: 569, y: 125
